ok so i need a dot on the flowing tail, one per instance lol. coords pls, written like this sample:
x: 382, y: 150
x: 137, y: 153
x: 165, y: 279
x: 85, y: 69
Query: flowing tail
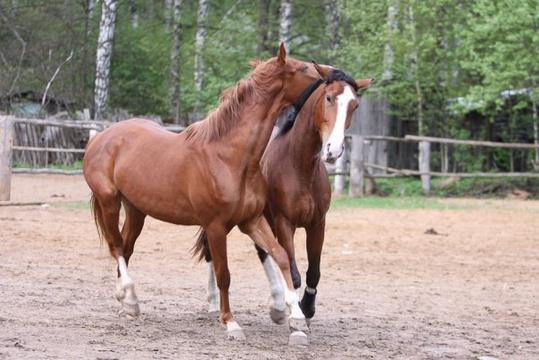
x: 201, y: 249
x: 98, y: 218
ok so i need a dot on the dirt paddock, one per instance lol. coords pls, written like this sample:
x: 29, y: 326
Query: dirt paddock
x: 388, y: 289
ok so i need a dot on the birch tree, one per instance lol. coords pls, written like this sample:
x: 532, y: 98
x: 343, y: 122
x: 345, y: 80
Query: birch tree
x: 332, y: 27
x: 285, y: 23
x: 175, y: 64
x: 263, y: 26
x: 199, y: 43
x: 104, y: 55
x: 168, y: 14
x: 14, y: 5
x: 134, y: 14
x: 389, y: 48
x: 414, y: 59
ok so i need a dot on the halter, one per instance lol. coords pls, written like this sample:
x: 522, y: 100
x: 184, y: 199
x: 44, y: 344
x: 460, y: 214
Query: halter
x: 302, y: 99
x: 334, y: 75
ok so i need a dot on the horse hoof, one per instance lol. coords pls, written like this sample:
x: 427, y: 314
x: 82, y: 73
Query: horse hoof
x: 236, y: 335
x: 119, y: 294
x: 130, y: 311
x: 298, y: 338
x: 213, y: 309
x: 298, y: 325
x: 278, y: 316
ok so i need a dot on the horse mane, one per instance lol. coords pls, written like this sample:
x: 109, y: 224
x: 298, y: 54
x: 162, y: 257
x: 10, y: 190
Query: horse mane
x: 227, y: 115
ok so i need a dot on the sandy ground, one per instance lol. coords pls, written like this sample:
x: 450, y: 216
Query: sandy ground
x: 388, y: 290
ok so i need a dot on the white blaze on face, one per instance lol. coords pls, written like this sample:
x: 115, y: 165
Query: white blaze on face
x: 333, y: 147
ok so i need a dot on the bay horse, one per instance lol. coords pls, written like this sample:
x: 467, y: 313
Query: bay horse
x: 299, y: 192
x: 208, y: 175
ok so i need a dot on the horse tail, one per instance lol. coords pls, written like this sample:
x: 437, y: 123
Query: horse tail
x: 201, y: 249
x: 98, y: 217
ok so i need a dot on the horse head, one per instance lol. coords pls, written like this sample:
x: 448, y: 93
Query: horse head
x: 339, y: 103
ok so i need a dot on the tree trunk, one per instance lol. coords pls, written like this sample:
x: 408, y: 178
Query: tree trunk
x: 535, y: 135
x: 134, y: 13
x: 104, y: 55
x: 332, y: 28
x: 415, y: 71
x: 275, y: 10
x: 389, y: 51
x: 199, y: 43
x: 90, y: 9
x: 285, y: 23
x: 85, y: 66
x: 14, y: 6
x: 175, y: 65
x: 263, y: 26
x: 168, y: 14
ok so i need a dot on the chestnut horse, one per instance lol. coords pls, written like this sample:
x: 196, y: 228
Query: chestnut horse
x: 299, y: 190
x: 208, y: 175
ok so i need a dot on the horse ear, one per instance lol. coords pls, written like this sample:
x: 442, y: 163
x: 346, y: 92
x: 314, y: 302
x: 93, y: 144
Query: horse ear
x: 282, y: 54
x: 322, y: 71
x: 255, y: 62
x: 364, y: 83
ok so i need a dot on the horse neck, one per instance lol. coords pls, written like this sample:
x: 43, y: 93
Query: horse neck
x: 252, y: 137
x: 304, y: 138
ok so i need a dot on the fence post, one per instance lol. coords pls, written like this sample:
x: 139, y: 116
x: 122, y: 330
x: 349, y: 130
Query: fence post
x: 424, y: 165
x: 340, y: 168
x: 6, y: 142
x: 357, y: 166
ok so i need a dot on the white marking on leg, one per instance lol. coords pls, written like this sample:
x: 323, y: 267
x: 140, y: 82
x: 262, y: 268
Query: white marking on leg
x: 333, y: 147
x: 125, y: 290
x: 310, y: 290
x: 124, y: 275
x: 213, y: 294
x: 292, y: 300
x: 232, y: 325
x: 276, y: 285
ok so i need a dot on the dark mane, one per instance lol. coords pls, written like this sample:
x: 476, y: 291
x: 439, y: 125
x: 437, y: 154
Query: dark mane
x: 339, y: 75
x: 220, y: 120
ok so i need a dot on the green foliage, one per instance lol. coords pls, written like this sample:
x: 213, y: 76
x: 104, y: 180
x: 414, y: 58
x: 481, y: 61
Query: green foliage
x: 409, y: 203
x: 139, y: 69
x: 472, y: 49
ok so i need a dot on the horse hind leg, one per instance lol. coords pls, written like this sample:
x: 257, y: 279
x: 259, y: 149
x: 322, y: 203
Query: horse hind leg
x: 125, y: 287
x: 202, y: 250
x: 106, y: 206
x: 278, y: 304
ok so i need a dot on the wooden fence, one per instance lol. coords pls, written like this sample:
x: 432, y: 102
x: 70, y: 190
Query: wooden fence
x: 359, y: 170
x: 7, y: 147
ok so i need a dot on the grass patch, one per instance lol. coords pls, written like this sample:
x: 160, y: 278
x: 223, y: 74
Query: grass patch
x: 412, y: 203
x: 464, y: 187
x: 77, y: 165
x: 72, y: 205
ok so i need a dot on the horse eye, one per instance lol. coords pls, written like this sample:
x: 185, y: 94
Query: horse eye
x: 328, y: 98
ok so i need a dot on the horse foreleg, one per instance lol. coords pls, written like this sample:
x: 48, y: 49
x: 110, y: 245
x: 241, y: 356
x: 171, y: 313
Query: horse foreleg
x: 217, y: 243
x: 285, y: 234
x: 314, y: 244
x: 260, y: 232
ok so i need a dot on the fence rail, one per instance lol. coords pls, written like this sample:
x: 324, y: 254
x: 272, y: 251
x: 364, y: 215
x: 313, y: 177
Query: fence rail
x: 358, y: 172
x: 359, y: 166
x: 7, y: 147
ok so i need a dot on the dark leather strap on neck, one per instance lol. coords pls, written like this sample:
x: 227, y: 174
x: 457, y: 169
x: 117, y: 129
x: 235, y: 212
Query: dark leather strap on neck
x: 302, y: 99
